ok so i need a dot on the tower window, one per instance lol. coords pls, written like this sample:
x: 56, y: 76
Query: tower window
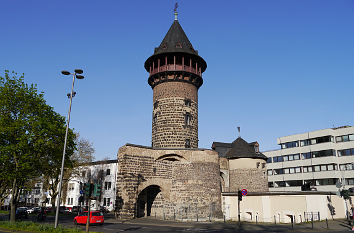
x: 187, y: 102
x: 187, y: 119
x: 188, y: 143
x: 156, y: 104
x: 154, y: 119
x: 178, y: 45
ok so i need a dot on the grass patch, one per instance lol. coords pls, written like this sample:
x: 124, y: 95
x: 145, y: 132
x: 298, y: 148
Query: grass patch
x: 36, y: 227
x: 4, y: 212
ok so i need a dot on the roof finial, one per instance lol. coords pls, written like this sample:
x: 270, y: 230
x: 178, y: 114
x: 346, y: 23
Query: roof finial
x: 175, y: 10
x: 239, y: 131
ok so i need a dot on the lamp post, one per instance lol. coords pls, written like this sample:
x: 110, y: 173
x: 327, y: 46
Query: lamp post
x: 77, y: 75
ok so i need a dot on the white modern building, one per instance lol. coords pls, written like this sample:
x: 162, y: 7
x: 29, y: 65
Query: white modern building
x: 321, y: 158
x: 101, y: 172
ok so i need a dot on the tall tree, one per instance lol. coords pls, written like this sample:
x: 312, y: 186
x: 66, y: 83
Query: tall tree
x: 31, y: 134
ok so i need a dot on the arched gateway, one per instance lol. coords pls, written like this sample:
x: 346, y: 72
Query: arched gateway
x: 145, y: 200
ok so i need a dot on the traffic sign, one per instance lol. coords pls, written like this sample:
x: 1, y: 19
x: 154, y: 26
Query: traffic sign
x: 244, y: 192
x: 81, y: 191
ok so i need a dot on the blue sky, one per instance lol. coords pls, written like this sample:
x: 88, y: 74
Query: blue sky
x: 275, y: 67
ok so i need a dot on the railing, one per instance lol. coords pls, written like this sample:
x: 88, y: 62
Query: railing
x: 176, y: 67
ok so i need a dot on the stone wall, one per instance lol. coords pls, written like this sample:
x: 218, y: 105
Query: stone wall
x: 169, y: 127
x: 189, y: 188
x: 252, y: 179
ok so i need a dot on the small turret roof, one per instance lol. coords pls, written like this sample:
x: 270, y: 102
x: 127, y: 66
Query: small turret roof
x: 242, y: 149
x: 175, y: 40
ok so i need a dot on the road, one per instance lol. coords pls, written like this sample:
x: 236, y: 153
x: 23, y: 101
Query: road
x: 153, y: 225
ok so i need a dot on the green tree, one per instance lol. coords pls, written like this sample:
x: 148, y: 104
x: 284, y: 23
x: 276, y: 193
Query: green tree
x: 31, y: 134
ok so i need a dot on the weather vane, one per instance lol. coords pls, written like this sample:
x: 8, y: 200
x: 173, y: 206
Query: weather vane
x: 175, y: 10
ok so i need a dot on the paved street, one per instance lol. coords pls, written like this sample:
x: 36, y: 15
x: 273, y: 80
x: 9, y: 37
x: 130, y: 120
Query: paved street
x: 153, y: 225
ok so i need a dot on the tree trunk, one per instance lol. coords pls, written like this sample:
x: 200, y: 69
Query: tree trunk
x: 13, y: 201
x: 53, y: 200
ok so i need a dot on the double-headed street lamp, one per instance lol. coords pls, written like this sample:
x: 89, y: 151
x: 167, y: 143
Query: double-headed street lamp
x: 77, y: 74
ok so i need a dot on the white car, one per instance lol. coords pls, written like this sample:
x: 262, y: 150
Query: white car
x: 30, y: 211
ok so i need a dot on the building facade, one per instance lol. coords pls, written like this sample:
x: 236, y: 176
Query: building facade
x: 102, y: 172
x: 318, y: 160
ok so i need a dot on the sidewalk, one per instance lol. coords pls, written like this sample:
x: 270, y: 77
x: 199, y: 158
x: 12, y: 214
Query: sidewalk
x: 333, y: 225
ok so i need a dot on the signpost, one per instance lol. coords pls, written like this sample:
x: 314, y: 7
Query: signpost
x: 240, y: 193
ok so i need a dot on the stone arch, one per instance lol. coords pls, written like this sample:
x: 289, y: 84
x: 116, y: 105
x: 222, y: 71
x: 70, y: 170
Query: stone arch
x: 171, y: 157
x: 145, y: 200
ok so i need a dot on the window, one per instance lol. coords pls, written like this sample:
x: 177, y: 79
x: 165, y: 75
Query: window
x: 285, y: 158
x: 323, y: 167
x: 263, y: 165
x: 256, y: 149
x: 108, y: 172
x: 270, y: 172
x: 106, y: 201
x: 351, y: 137
x: 294, y: 183
x: 154, y: 119
x: 269, y: 160
x: 71, y: 186
x: 280, y: 184
x: 330, y: 167
x: 306, y: 155
x: 187, y: 119
x: 107, y: 185
x: 278, y: 171
x: 289, y: 144
x: 297, y: 170
x: 317, y: 168
x: 339, y: 139
x: 346, y: 152
x: 305, y: 169
x: 286, y: 170
x: 83, y: 174
x: 270, y: 184
x: 188, y: 143
x: 345, y: 138
x: 291, y: 170
x: 305, y: 142
x: 187, y: 102
x: 156, y: 104
x: 291, y: 157
x: 296, y: 156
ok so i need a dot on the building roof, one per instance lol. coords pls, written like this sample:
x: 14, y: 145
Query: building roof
x: 238, y: 149
x: 175, y: 40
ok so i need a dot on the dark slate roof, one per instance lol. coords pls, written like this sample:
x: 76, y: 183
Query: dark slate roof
x: 242, y: 149
x: 237, y: 149
x: 175, y: 41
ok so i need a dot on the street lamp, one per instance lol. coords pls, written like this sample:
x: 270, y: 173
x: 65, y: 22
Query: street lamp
x: 77, y: 75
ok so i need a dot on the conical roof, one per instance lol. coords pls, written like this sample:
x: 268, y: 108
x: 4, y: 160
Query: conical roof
x: 241, y: 149
x: 175, y: 40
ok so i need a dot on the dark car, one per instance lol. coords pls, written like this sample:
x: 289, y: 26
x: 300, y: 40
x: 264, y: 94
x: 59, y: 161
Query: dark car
x: 21, y: 213
x: 75, y: 209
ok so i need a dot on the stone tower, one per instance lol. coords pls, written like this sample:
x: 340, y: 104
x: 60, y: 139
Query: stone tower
x: 175, y: 75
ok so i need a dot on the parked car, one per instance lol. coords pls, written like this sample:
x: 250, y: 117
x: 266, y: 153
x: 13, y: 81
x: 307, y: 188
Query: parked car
x: 75, y: 209
x: 30, y: 211
x: 96, y: 217
x: 21, y: 213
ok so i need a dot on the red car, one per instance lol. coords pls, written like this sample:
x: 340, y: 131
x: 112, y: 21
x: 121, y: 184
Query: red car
x: 96, y: 217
